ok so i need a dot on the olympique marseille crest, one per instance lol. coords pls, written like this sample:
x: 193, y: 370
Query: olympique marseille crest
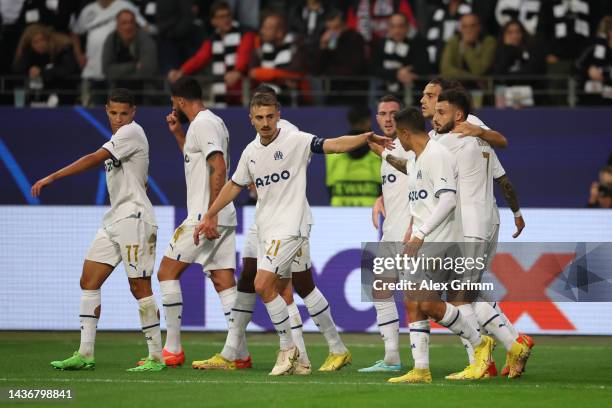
x: 278, y: 155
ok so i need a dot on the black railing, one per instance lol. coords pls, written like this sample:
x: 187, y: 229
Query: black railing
x: 500, y: 91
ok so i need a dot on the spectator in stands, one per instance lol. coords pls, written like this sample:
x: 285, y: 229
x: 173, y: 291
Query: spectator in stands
x: 601, y: 191
x: 399, y: 59
x: 568, y: 28
x: 246, y: 12
x: 353, y: 178
x: 229, y: 51
x: 129, y: 59
x: 527, y: 12
x: 277, y: 60
x: 307, y: 19
x: 443, y: 24
x: 517, y: 55
x: 46, y: 58
x: 11, y: 31
x: 178, y: 36
x: 595, y: 67
x: 370, y: 18
x: 96, y: 21
x: 341, y: 53
x: 470, y: 53
x: 148, y: 9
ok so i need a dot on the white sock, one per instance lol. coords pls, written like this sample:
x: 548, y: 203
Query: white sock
x: 149, y: 320
x: 295, y: 320
x: 493, y: 322
x: 228, y: 299
x: 509, y: 324
x: 90, y: 301
x: 279, y: 315
x: 172, y: 300
x: 388, y: 324
x: 419, y: 343
x: 468, y: 313
x: 240, y: 316
x: 455, y: 322
x: 318, y: 308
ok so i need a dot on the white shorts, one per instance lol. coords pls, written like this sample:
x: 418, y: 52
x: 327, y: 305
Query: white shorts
x: 284, y: 256
x: 492, y: 245
x: 251, y: 243
x: 130, y: 240
x: 299, y: 264
x: 212, y: 255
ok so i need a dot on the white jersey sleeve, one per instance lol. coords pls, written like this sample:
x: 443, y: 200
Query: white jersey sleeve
x: 124, y: 143
x: 208, y: 139
x: 475, y: 120
x: 242, y: 176
x: 443, y: 175
x: 498, y: 169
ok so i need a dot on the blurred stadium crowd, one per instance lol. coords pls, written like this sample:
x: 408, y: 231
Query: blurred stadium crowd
x: 336, y: 52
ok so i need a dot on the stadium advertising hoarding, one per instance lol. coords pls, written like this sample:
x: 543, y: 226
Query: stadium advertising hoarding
x: 43, y: 250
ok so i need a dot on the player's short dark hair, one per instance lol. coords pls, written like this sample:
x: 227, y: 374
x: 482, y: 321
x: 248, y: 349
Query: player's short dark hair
x: 447, y: 83
x: 458, y: 98
x: 391, y: 98
x: 218, y: 6
x: 264, y: 99
x: 358, y: 113
x: 188, y: 88
x: 264, y: 89
x: 411, y: 119
x: 121, y: 95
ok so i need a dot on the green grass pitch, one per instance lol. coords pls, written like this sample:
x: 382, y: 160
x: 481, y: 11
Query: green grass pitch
x: 563, y: 371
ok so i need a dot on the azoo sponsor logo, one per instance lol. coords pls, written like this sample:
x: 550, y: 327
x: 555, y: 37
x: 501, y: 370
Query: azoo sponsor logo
x: 417, y: 195
x: 388, y: 178
x: 272, y: 178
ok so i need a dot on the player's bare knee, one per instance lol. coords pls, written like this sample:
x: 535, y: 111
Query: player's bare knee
x: 168, y: 270
x: 303, y: 283
x: 223, y: 279
x: 286, y: 291
x: 140, y: 287
x: 246, y: 284
x: 430, y: 309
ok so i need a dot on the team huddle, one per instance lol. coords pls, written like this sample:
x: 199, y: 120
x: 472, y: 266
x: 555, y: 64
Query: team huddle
x: 437, y: 188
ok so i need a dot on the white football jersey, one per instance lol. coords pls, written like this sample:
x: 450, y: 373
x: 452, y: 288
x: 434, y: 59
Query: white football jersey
x: 278, y: 171
x: 290, y: 127
x: 498, y: 169
x: 475, y: 182
x: 395, y: 196
x: 473, y: 224
x: 206, y: 134
x: 127, y: 174
x: 428, y: 176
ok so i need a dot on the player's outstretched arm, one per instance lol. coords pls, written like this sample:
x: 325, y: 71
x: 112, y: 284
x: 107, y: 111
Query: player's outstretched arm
x: 398, y: 163
x: 83, y: 164
x: 494, y: 138
x: 175, y: 127
x: 345, y: 144
x: 511, y: 198
x: 208, y: 225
